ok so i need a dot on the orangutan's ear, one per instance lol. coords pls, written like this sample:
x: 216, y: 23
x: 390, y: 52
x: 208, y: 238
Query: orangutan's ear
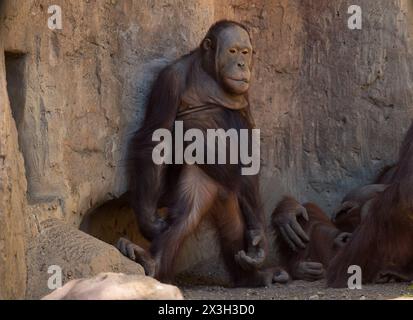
x: 207, y: 44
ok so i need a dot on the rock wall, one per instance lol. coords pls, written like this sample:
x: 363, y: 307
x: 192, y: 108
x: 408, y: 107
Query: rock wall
x: 332, y: 104
x: 84, y: 87
x: 12, y: 201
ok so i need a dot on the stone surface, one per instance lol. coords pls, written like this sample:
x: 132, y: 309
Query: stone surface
x: 12, y: 201
x: 85, y: 87
x: 78, y: 254
x: 332, y: 104
x: 114, y: 286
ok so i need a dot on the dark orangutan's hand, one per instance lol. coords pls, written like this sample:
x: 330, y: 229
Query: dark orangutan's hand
x: 160, y: 225
x: 256, y: 252
x: 137, y: 254
x: 290, y: 229
x: 309, y: 271
x: 151, y: 229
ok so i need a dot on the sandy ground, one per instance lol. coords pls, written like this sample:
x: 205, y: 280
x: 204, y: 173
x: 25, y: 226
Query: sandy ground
x: 299, y: 290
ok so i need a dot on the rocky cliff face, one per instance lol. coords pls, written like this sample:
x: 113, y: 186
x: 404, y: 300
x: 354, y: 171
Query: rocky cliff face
x: 332, y: 105
x: 12, y: 201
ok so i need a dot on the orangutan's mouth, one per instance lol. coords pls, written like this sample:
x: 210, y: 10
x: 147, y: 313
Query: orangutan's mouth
x: 239, y: 80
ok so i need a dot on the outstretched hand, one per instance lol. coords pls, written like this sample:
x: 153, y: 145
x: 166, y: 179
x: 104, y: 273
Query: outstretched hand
x: 309, y: 271
x: 290, y: 229
x: 256, y: 253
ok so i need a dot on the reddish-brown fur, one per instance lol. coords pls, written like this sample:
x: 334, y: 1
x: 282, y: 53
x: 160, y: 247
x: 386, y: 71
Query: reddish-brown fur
x: 383, y: 243
x: 349, y: 220
x: 381, y: 219
x: 190, y: 192
x: 321, y: 231
x: 348, y: 217
x: 355, y: 206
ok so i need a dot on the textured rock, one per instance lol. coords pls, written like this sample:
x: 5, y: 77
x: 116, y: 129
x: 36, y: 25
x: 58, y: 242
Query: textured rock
x: 85, y: 87
x: 12, y: 201
x: 332, y: 104
x: 79, y: 255
x: 113, y: 286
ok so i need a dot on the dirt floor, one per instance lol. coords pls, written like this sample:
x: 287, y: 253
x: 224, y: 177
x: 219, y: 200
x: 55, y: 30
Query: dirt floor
x: 300, y: 290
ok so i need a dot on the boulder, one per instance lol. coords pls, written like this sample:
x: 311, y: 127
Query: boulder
x: 116, y: 286
x: 78, y: 255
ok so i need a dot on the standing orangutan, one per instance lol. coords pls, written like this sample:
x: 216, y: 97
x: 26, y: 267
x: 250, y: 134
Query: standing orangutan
x: 380, y: 217
x: 205, y: 89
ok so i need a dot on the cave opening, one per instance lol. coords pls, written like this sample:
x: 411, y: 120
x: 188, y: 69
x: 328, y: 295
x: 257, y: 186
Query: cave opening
x: 196, y: 263
x: 30, y: 143
x: 16, y: 77
x: 112, y: 220
x: 16, y: 84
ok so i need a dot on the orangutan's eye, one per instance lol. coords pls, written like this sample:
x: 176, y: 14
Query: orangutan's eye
x: 232, y: 50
